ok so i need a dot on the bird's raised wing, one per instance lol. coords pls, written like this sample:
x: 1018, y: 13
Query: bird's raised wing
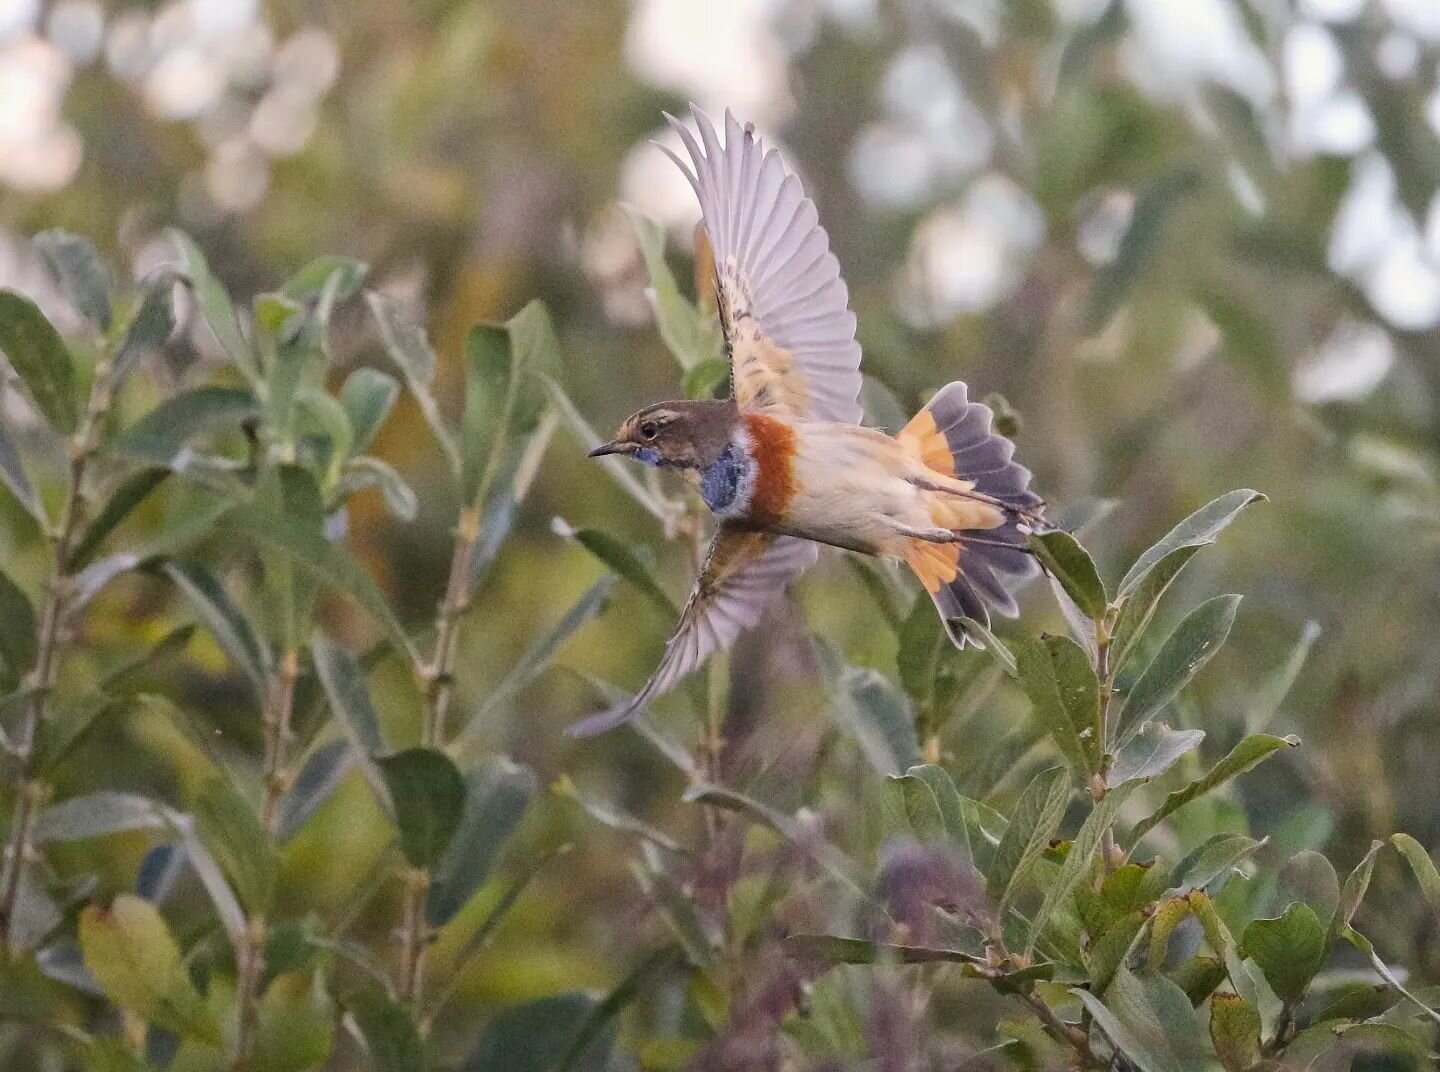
x: 743, y: 574
x: 789, y: 331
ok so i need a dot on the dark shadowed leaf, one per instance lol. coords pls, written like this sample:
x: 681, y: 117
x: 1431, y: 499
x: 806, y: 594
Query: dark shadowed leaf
x: 1193, y: 644
x: 623, y: 561
x: 880, y: 718
x: 1198, y: 977
x: 1153, y: 750
x: 1071, y: 565
x: 1290, y: 949
x: 225, y: 620
x: 1235, y: 1032
x: 323, y: 772
x: 1357, y: 884
x: 129, y: 950
x: 1151, y: 1021
x: 1062, y: 685
x: 496, y: 796
x: 75, y: 262
x: 40, y: 358
x: 150, y: 330
x: 1422, y: 864
x: 1036, y: 817
x: 161, y: 434
x: 429, y: 797
x: 1198, y: 530
x: 833, y: 949
x: 367, y: 397
x: 123, y: 501
x: 18, y: 644
x: 97, y: 814
x: 1245, y: 755
x: 531, y: 1038
x: 12, y: 475
x: 390, y: 1034
x: 227, y: 824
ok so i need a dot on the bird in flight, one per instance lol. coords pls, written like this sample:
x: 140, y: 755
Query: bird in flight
x: 784, y: 462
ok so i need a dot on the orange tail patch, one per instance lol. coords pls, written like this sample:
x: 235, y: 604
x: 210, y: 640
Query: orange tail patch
x: 936, y: 564
x: 922, y: 439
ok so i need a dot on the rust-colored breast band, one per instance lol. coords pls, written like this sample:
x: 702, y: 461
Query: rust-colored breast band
x: 773, y: 446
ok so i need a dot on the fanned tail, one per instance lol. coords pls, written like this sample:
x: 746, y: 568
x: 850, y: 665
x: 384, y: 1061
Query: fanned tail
x: 984, y: 497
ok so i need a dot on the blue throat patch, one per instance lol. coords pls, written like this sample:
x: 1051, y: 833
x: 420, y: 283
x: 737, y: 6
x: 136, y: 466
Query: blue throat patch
x: 720, y: 482
x: 647, y: 455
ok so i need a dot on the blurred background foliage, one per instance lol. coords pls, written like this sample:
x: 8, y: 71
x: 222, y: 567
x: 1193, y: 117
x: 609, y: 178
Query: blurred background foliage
x: 1194, y: 244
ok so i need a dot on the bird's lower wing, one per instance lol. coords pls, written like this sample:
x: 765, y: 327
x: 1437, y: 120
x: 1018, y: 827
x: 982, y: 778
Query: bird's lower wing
x: 744, y: 572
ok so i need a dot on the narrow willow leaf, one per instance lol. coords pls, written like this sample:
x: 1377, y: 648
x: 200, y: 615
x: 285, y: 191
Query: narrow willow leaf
x: 123, y: 501
x: 1423, y: 866
x: 226, y: 823
x: 1219, y: 855
x: 76, y: 263
x: 429, y: 796
x: 1235, y: 1032
x: 129, y: 949
x: 1150, y: 1020
x: 1290, y: 950
x: 324, y: 561
x: 399, y: 497
x: 41, y: 360
x: 18, y: 633
x: 409, y: 348
x: 1082, y: 854
x: 1071, y: 565
x: 322, y: 773
x: 834, y: 949
x: 390, y: 1035
x: 163, y: 432
x: 1200, y: 529
x: 216, y: 309
x: 149, y: 331
x: 1273, y: 690
x: 344, y: 683
x: 1193, y: 644
x: 1033, y: 823
x: 680, y: 914
x: 1153, y: 750
x: 1061, y: 683
x: 979, y: 634
x: 1247, y: 754
x: 532, y: 1037
x: 497, y: 794
x: 1356, y: 886
x: 12, y: 475
x: 311, y: 281
x: 96, y: 815
x: 1360, y: 942
x: 613, y: 553
x: 225, y: 620
x: 690, y: 334
x: 368, y: 397
x: 879, y: 717
x: 590, y: 1047
x: 616, y: 818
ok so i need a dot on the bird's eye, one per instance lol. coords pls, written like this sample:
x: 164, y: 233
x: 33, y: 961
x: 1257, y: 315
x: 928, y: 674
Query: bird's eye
x: 649, y: 430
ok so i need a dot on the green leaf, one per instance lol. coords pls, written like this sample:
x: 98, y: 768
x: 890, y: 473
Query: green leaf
x: 1168, y: 914
x: 215, y: 306
x: 230, y: 627
x: 294, y: 1030
x: 1198, y: 977
x: 40, y: 358
x: 1219, y: 855
x: 1250, y: 752
x: 97, y: 815
x: 429, y: 797
x: 833, y: 949
x: 1193, y: 644
x: 533, y: 1037
x: 950, y: 803
x: 12, y: 475
x: 150, y: 330
x: 1071, y: 565
x: 1250, y: 983
x: 368, y: 396
x: 75, y: 262
x: 879, y: 717
x: 310, y: 282
x: 979, y: 634
x: 1153, y: 750
x: 18, y: 633
x: 1423, y: 866
x: 161, y: 434
x: 1150, y: 1020
x: 623, y: 561
x: 1061, y: 683
x: 1033, y: 823
x: 1198, y: 530
x: 229, y: 828
x: 1311, y: 878
x: 324, y: 561
x: 1235, y: 1032
x: 1084, y: 850
x: 496, y: 796
x: 691, y: 335
x: 409, y: 348
x: 703, y: 380
x: 390, y: 1034
x: 914, y: 802
x: 321, y: 774
x: 1273, y: 690
x: 922, y: 644
x: 882, y: 409
x: 503, y: 394
x: 1290, y: 949
x: 399, y: 497
x: 1356, y: 885
x: 1360, y: 942
x: 129, y: 950
x: 125, y: 499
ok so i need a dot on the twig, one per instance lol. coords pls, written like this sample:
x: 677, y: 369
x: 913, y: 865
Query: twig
x: 1063, y: 1033
x: 49, y: 649
x: 1106, y: 676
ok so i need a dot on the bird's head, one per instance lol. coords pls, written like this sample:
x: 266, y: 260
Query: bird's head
x: 679, y: 435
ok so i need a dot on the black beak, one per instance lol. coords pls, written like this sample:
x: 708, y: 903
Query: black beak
x: 606, y: 448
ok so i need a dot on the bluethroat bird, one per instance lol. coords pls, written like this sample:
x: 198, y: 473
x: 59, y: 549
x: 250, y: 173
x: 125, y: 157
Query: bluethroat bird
x: 784, y: 462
